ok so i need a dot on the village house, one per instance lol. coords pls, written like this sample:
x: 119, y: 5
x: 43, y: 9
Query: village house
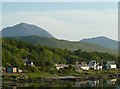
x: 99, y: 67
x: 11, y: 69
x: 60, y: 66
x: 27, y: 62
x: 111, y: 65
x: 81, y: 66
x: 30, y: 63
x: 94, y: 65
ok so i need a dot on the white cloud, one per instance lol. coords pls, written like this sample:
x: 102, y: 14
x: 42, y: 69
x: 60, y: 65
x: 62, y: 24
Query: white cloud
x: 70, y: 24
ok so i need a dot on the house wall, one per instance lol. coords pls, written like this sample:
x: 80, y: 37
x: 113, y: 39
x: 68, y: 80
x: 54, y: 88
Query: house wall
x: 20, y: 71
x: 9, y: 70
x: 14, y: 70
x: 85, y: 68
x: 31, y: 63
x: 113, y: 66
x: 59, y: 68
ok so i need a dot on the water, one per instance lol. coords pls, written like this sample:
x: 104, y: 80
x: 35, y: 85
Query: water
x: 97, y: 84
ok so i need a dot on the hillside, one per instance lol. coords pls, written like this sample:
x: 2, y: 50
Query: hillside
x: 24, y: 29
x: 102, y: 41
x: 43, y: 56
x: 53, y: 42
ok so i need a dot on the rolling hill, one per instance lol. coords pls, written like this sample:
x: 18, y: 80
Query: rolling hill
x: 102, y: 41
x: 64, y: 44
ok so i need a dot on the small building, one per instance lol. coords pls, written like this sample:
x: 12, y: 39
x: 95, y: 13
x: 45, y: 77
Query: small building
x: 98, y: 67
x: 60, y: 66
x: 11, y: 70
x: 20, y: 71
x: 84, y: 67
x: 94, y: 65
x: 25, y: 60
x: 111, y: 65
x: 79, y: 67
x: 30, y: 63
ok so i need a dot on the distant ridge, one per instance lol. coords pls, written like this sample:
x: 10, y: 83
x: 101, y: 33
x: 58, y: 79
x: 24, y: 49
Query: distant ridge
x: 24, y: 29
x: 102, y: 41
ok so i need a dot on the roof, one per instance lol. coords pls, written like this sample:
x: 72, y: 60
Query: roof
x: 61, y: 65
x: 84, y: 66
x: 25, y: 60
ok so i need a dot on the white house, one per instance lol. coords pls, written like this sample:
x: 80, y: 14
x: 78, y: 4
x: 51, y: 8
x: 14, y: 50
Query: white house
x: 60, y: 66
x: 111, y: 65
x: 94, y: 65
x: 98, y: 67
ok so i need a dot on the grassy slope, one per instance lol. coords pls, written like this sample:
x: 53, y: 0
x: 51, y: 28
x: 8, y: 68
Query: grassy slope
x: 52, y: 42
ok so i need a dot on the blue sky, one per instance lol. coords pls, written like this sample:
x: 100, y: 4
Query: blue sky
x: 9, y: 7
x: 65, y: 20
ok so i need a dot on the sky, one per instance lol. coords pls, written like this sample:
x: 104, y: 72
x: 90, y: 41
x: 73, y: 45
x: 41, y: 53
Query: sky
x: 65, y: 20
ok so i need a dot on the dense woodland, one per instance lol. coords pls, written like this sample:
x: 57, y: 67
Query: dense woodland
x: 14, y: 51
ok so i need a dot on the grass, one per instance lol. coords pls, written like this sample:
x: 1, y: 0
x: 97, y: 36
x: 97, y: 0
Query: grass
x: 39, y: 74
x: 90, y: 73
x: 93, y: 73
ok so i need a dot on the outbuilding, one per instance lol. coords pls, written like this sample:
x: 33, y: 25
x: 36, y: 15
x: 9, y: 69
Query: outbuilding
x: 11, y: 70
x: 60, y: 66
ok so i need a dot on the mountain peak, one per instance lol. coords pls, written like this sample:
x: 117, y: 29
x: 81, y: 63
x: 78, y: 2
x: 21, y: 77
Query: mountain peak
x: 22, y: 24
x: 24, y: 29
x: 101, y: 37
